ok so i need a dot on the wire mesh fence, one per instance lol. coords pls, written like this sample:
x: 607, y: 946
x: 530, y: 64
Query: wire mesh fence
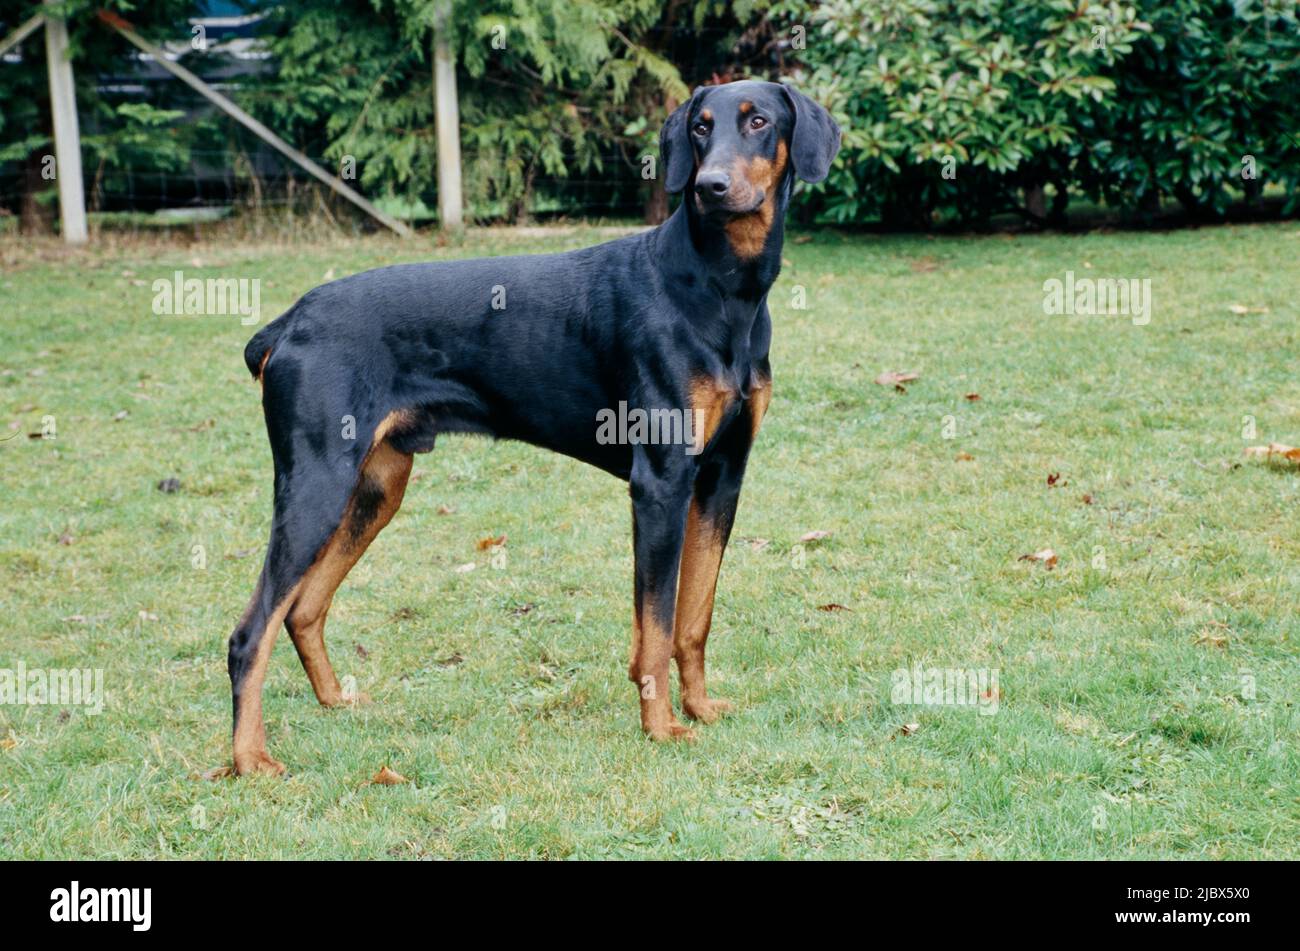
x: 241, y: 178
x: 246, y: 185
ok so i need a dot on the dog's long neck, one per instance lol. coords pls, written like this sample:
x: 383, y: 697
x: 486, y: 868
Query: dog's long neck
x: 738, y: 258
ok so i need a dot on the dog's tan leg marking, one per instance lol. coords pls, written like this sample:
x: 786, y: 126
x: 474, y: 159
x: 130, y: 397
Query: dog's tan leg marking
x: 653, y: 651
x: 375, y: 501
x: 696, y: 586
x: 250, y: 732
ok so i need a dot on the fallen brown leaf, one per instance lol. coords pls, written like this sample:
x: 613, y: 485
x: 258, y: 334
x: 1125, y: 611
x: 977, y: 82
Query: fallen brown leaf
x: 965, y: 457
x: 832, y: 607
x: 387, y: 777
x: 758, y: 544
x: 1086, y: 498
x: 446, y: 510
x: 896, y: 379
x: 1055, y: 481
x: 972, y: 396
x: 361, y: 651
x: 1046, y: 556
x: 490, y: 542
x: 814, y: 536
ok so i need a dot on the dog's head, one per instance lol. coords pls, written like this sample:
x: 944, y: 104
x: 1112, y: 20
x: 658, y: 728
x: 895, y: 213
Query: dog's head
x: 733, y: 144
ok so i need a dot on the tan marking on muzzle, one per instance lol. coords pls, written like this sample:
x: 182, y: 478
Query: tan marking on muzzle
x: 747, y: 234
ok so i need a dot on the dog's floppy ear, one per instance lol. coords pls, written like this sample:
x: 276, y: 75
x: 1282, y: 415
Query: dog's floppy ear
x: 815, y: 140
x: 675, y: 150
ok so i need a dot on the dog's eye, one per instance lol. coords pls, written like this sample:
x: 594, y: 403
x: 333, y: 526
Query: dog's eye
x: 701, y: 129
x: 757, y: 122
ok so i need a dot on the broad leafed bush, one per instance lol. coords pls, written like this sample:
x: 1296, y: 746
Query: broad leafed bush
x: 968, y: 108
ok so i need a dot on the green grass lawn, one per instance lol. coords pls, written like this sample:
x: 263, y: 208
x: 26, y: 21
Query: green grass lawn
x: 1147, y: 686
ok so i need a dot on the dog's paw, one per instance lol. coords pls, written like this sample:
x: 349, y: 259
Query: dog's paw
x: 259, y: 762
x: 345, y: 700
x: 672, y: 730
x: 708, y: 710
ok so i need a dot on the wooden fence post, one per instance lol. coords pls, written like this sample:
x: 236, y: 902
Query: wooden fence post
x: 447, y: 119
x: 67, y: 134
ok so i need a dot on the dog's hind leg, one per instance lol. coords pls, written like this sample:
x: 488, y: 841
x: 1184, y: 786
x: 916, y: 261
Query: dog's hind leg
x: 374, y: 502
x: 324, y: 519
x: 251, y: 645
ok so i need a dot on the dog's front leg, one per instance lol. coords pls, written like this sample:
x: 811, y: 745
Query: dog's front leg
x: 712, y: 513
x: 661, y: 494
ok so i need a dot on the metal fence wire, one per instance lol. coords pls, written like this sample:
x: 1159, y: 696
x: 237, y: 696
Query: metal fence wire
x: 234, y: 173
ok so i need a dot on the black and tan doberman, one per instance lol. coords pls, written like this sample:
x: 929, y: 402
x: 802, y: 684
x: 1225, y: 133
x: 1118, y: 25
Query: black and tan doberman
x: 362, y: 373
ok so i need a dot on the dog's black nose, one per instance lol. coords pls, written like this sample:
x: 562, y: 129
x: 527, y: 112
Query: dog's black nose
x: 712, y: 184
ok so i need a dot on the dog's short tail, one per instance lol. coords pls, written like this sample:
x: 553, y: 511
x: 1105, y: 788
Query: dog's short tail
x: 259, y: 347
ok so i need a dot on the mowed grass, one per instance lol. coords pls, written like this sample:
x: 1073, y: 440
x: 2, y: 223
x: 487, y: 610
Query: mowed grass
x: 1147, y: 685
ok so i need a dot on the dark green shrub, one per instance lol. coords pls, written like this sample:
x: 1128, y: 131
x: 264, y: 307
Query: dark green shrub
x: 973, y: 107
